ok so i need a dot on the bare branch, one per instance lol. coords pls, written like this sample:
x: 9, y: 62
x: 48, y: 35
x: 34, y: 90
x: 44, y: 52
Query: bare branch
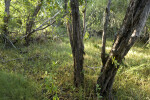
x: 29, y: 58
x: 47, y: 20
x: 39, y: 28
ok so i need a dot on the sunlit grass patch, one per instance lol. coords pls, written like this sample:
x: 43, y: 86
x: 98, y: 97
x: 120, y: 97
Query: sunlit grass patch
x: 133, y: 81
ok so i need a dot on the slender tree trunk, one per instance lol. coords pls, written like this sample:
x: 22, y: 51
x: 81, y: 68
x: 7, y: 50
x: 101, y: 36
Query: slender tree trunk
x: 107, y: 14
x: 30, y: 22
x: 133, y: 23
x: 68, y: 25
x: 6, y: 18
x: 84, y: 16
x: 77, y: 44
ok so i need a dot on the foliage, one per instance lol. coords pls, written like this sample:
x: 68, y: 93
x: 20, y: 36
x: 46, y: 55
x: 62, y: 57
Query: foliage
x: 97, y: 92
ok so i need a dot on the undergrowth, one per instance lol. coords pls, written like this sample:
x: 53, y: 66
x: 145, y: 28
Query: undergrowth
x: 45, y: 71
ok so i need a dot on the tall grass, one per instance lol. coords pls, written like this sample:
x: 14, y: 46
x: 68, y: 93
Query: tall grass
x: 50, y: 67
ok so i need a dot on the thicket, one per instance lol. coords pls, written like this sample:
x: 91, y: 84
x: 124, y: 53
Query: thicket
x: 44, y: 69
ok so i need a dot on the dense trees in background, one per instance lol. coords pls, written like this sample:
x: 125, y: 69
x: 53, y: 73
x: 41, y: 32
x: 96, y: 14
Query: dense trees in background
x: 27, y: 17
x: 21, y: 13
x: 24, y: 21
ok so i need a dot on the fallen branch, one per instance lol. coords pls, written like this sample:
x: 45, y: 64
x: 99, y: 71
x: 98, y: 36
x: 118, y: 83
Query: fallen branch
x: 9, y: 41
x: 29, y: 58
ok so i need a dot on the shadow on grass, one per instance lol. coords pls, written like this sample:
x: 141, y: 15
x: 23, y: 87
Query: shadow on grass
x: 15, y: 87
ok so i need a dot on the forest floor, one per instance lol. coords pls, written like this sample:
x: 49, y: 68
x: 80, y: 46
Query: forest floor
x: 45, y: 71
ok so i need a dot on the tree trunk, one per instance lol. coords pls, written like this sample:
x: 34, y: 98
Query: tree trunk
x: 107, y: 14
x: 77, y: 44
x: 133, y: 23
x: 6, y: 19
x: 30, y: 22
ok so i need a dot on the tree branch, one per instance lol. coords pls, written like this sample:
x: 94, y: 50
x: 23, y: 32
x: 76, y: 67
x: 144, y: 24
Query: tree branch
x: 46, y: 22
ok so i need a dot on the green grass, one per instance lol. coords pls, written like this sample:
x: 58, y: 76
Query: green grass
x: 50, y: 67
x: 16, y: 87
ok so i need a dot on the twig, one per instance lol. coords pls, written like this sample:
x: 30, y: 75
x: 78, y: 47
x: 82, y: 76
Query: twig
x: 146, y: 43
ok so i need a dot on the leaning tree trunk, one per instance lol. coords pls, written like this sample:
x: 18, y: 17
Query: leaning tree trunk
x: 133, y: 23
x: 77, y: 44
x: 30, y: 22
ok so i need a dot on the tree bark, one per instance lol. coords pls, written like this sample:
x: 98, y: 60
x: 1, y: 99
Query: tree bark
x: 133, y: 23
x: 77, y: 44
x: 30, y: 22
x: 6, y: 18
x: 107, y: 14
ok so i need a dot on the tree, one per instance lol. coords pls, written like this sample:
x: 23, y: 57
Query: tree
x: 77, y: 44
x: 107, y: 12
x: 30, y: 21
x: 129, y: 32
x: 6, y: 16
x: 6, y: 19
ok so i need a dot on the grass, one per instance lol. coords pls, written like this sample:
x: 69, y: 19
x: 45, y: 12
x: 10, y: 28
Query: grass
x: 46, y: 70
x: 16, y: 87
